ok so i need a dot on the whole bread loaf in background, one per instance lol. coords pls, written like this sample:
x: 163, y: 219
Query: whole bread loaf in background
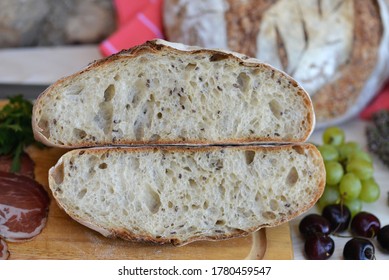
x: 183, y: 194
x: 163, y: 93
x: 336, y: 49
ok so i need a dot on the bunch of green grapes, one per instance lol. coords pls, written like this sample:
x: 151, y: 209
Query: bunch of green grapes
x: 349, y: 169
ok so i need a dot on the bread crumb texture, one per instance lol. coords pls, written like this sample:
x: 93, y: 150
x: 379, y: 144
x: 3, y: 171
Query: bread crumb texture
x: 177, y: 195
x: 170, y: 96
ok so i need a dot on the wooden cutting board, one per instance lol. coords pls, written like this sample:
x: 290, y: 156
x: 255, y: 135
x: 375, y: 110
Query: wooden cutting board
x: 63, y: 238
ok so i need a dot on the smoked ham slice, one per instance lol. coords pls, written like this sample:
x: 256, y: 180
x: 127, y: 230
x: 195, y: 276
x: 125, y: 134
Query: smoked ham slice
x: 24, y: 206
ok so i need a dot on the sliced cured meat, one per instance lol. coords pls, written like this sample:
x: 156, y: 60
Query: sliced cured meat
x: 24, y: 206
x: 4, y: 254
x: 26, y: 168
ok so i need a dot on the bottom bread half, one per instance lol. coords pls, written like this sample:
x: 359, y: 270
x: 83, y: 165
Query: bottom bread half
x: 178, y: 195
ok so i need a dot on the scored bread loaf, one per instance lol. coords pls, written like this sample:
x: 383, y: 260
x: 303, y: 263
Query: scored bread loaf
x: 336, y: 49
x: 164, y: 93
x: 177, y: 195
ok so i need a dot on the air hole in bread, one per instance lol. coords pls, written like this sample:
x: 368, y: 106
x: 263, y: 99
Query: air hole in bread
x: 159, y: 115
x: 116, y: 77
x: 59, y: 174
x: 205, y: 205
x: 257, y: 196
x: 222, y: 188
x: 187, y: 168
x: 220, y: 222
x: 244, y: 82
x: 292, y: 177
x: 276, y: 108
x: 192, y: 183
x: 169, y: 172
x: 190, y: 67
x: 219, y: 57
x: 75, y: 90
x: 81, y: 193
x: 136, y: 98
x: 79, y: 133
x: 104, y: 117
x: 43, y: 124
x: 109, y: 93
x: 155, y: 137
x: 195, y: 206
x: 151, y: 199
x: 273, y: 205
x: 269, y: 215
x: 249, y: 156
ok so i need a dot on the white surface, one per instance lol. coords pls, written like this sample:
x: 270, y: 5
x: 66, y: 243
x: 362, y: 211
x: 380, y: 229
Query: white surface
x: 355, y: 131
x: 44, y: 65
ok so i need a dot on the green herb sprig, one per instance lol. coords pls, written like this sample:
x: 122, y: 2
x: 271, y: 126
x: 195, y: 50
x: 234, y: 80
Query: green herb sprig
x: 15, y: 129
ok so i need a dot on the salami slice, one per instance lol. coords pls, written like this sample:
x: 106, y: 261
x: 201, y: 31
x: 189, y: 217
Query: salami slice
x: 4, y: 254
x: 24, y: 206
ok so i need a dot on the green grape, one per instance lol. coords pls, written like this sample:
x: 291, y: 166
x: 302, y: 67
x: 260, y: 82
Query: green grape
x: 354, y: 205
x: 350, y: 186
x: 333, y: 136
x: 359, y: 154
x: 346, y: 149
x: 328, y: 152
x: 370, y: 191
x: 360, y: 167
x: 330, y: 195
x: 334, y: 172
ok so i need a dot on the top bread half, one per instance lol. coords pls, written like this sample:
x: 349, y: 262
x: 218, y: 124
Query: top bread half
x: 165, y: 93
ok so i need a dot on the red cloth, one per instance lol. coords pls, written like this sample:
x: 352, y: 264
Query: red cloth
x: 380, y: 102
x: 137, y: 21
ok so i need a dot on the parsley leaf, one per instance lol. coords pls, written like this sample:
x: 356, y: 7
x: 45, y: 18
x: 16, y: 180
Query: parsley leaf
x: 15, y: 129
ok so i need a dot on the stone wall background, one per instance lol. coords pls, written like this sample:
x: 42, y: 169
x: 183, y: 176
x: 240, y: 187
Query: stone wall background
x: 55, y: 22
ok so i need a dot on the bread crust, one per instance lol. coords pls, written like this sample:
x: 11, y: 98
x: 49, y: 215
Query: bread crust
x: 160, y: 47
x: 127, y: 235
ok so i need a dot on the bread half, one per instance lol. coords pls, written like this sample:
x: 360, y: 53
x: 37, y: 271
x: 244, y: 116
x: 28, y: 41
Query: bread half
x: 183, y: 194
x: 163, y: 93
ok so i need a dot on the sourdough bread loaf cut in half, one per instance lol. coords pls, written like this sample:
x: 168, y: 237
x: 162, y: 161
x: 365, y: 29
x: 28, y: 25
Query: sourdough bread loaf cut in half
x: 183, y: 194
x: 336, y: 49
x: 161, y: 93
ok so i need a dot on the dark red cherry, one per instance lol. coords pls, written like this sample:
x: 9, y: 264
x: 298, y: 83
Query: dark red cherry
x: 359, y: 249
x: 314, y: 223
x: 338, y: 215
x: 319, y: 246
x: 383, y: 238
x: 365, y: 224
